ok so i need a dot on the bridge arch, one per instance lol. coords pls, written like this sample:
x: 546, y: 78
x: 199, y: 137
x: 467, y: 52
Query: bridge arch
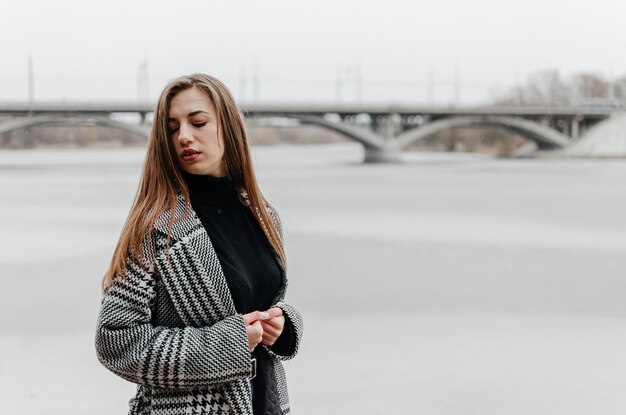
x: 369, y: 140
x: 377, y: 149
x: 545, y: 137
x: 20, y: 123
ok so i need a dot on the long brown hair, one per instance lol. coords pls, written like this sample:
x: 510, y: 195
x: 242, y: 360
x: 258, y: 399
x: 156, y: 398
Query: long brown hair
x: 161, y: 180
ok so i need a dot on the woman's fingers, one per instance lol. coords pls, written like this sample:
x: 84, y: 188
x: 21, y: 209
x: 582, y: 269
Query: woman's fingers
x: 271, y: 330
x: 255, y: 316
x: 274, y: 312
x: 255, y: 334
x: 268, y: 341
x: 264, y: 326
x: 278, y: 322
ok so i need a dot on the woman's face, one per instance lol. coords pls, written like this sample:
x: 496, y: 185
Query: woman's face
x: 194, y: 132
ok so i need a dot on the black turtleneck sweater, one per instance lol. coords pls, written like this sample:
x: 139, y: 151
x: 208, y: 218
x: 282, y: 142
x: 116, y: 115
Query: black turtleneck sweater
x: 252, y: 273
x: 251, y: 267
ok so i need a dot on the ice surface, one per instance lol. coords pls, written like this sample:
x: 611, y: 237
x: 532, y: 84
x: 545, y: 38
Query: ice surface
x: 450, y: 284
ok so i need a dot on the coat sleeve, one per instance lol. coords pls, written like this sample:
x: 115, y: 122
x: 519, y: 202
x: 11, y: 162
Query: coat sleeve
x: 130, y: 346
x: 287, y: 345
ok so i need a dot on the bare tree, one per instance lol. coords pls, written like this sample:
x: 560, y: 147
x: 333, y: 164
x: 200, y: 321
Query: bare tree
x: 590, y: 86
x: 548, y: 87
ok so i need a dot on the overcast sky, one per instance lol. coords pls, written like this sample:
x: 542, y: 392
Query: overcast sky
x: 305, y: 50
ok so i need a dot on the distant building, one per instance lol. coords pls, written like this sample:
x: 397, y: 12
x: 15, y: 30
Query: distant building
x: 614, y: 97
x: 617, y: 90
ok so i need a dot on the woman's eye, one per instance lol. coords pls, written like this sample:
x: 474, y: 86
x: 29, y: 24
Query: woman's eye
x: 173, y: 130
x: 199, y: 124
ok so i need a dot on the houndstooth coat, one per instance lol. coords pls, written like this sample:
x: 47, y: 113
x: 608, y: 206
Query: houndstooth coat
x: 170, y: 325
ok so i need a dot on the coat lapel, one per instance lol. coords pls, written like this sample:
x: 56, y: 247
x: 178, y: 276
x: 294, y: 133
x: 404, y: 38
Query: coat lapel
x: 191, y: 270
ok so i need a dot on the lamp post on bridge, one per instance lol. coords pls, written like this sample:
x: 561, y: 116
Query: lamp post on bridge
x: 31, y: 80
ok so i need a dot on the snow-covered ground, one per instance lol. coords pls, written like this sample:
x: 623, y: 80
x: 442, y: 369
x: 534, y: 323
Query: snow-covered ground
x: 450, y: 284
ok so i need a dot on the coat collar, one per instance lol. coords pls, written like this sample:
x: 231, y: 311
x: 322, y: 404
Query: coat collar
x: 185, y: 218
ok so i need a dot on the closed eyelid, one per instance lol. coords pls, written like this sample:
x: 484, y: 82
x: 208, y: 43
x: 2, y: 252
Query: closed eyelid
x: 195, y: 120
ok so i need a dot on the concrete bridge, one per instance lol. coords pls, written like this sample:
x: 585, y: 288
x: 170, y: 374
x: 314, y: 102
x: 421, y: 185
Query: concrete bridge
x: 383, y: 130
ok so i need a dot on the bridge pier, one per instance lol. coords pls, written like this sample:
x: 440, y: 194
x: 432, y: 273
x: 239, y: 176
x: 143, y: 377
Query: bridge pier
x: 575, y: 128
x: 375, y: 155
x: 566, y: 127
x: 393, y: 126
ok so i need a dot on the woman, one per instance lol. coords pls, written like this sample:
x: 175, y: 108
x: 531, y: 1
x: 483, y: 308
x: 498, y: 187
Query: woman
x: 192, y: 309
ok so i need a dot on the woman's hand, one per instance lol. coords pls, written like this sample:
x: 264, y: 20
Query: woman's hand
x: 254, y: 329
x: 272, y: 326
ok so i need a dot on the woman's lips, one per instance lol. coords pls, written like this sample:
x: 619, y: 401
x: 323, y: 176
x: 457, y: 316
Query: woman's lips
x: 189, y: 155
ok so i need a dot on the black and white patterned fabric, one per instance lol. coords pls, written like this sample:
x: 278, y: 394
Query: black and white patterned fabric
x: 169, y: 325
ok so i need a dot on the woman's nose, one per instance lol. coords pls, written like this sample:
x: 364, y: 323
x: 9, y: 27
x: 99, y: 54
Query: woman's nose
x: 184, y: 134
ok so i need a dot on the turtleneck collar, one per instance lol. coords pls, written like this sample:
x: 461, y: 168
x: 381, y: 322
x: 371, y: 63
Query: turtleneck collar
x: 211, y: 190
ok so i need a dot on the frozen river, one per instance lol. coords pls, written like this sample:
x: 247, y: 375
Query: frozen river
x: 450, y: 284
